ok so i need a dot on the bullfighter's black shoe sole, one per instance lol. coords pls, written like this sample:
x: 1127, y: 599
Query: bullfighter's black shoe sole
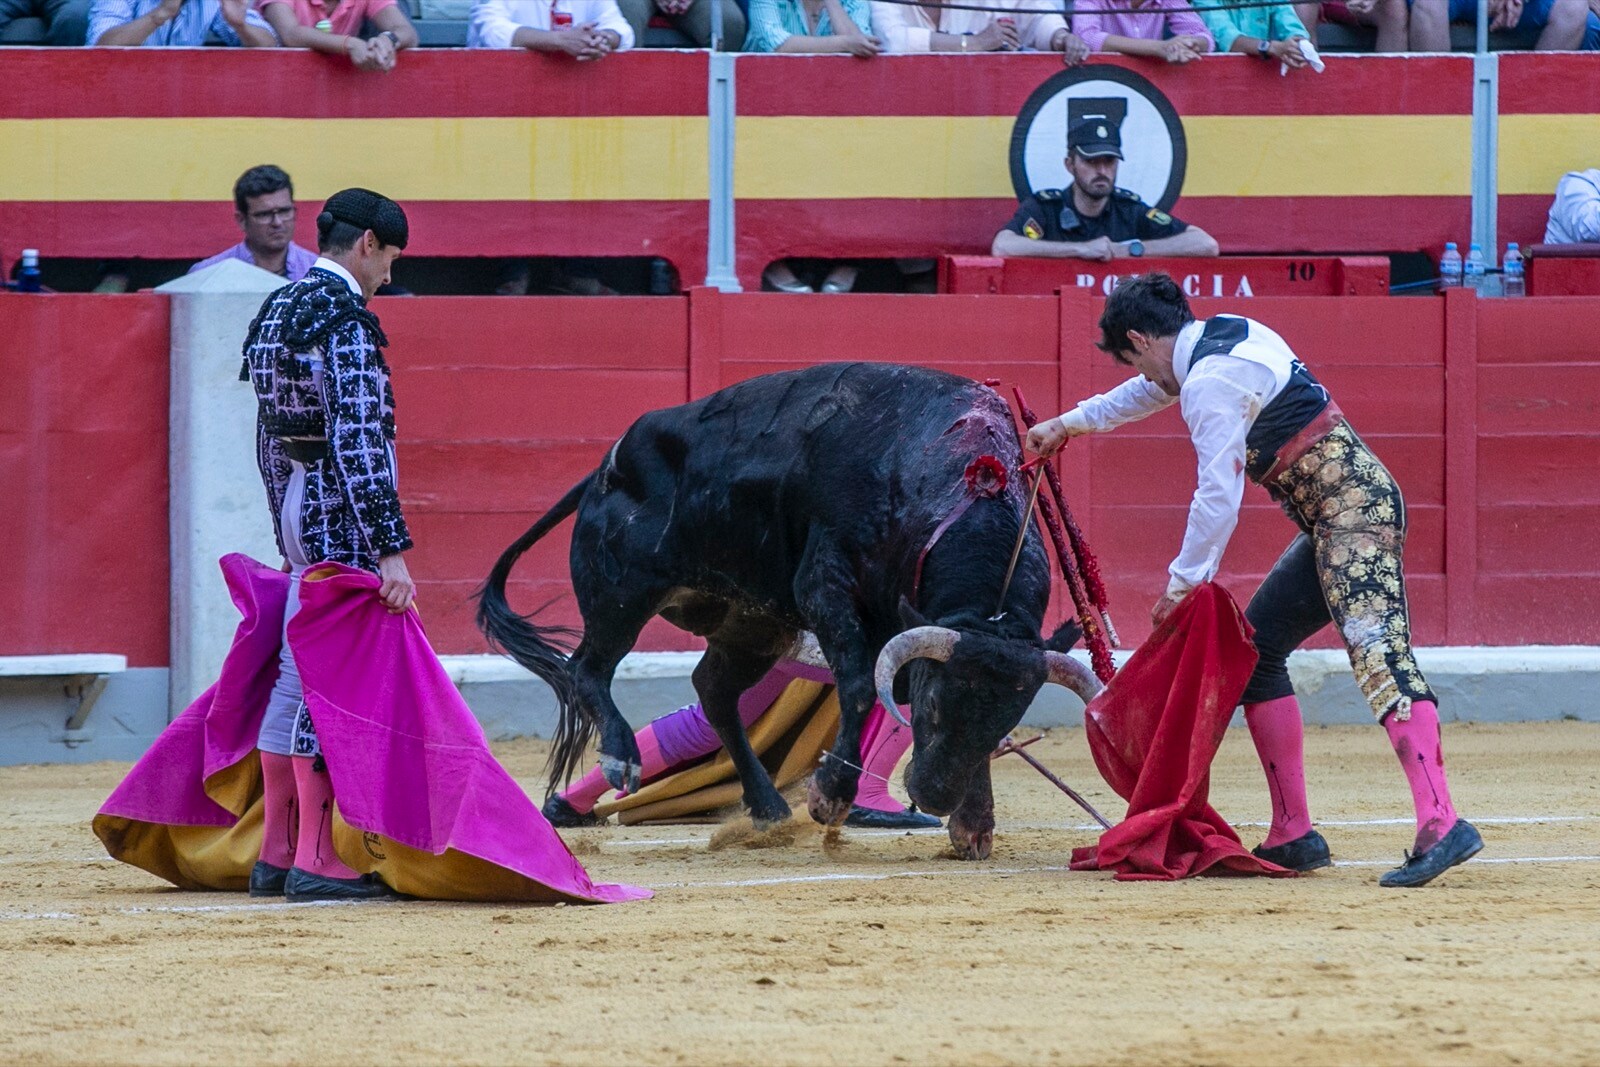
x: 907, y: 819
x: 562, y: 815
x: 303, y: 886
x: 1307, y: 852
x: 267, y: 880
x: 1458, y: 846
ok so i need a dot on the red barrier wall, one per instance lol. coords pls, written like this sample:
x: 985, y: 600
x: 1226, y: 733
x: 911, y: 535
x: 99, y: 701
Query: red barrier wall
x: 1486, y: 411
x: 83, y: 475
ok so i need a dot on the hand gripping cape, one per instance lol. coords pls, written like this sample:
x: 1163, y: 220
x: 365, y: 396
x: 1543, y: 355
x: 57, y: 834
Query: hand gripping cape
x: 419, y: 797
x: 1154, y: 731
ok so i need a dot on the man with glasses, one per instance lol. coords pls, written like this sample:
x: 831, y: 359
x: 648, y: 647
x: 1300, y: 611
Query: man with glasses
x: 263, y: 201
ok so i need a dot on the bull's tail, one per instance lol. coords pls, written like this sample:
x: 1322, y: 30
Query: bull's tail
x: 541, y: 649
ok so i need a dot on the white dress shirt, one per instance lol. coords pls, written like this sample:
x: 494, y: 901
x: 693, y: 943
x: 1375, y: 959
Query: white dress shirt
x: 495, y: 22
x: 1220, y: 401
x: 324, y: 263
x: 910, y: 27
x: 1575, y: 216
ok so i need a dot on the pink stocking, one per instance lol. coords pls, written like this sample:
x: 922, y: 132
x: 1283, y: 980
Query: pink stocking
x: 314, y: 848
x: 883, y: 742
x: 1279, y: 736
x: 1416, y: 743
x: 587, y: 791
x: 279, y: 824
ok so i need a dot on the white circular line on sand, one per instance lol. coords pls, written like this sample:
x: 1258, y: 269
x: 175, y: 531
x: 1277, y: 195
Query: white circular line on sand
x: 742, y: 883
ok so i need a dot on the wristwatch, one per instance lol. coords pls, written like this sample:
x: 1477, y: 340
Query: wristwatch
x: 1264, y: 48
x: 394, y: 38
x: 1136, y: 248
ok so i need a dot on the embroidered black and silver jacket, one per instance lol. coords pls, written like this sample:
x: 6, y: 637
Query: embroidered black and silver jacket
x: 314, y: 357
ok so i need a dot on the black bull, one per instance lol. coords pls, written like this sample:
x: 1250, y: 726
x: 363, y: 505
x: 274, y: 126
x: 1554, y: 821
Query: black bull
x: 807, y: 501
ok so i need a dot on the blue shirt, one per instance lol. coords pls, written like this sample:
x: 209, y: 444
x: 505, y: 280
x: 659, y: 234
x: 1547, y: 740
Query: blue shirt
x: 773, y: 22
x: 196, y: 20
x: 1275, y: 23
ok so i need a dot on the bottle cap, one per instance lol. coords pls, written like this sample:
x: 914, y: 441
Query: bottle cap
x: 1476, y: 247
x: 1449, y: 246
x: 1512, y: 245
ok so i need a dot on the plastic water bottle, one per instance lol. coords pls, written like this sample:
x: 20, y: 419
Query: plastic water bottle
x: 28, y: 274
x: 1472, y: 273
x: 1450, y: 267
x: 1515, y: 284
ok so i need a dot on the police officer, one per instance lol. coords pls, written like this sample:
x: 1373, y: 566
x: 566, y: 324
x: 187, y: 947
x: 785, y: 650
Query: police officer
x: 1092, y: 218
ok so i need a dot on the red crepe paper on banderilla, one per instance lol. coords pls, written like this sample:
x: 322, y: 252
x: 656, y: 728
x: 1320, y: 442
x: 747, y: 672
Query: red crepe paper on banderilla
x: 1154, y: 731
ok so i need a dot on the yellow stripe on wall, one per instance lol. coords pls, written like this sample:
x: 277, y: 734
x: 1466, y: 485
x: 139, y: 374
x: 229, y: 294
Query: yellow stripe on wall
x: 612, y: 158
x: 966, y: 157
x: 1536, y: 150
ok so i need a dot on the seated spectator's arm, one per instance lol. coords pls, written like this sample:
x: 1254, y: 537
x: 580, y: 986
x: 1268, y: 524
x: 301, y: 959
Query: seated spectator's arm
x: 1193, y: 241
x: 1577, y: 207
x: 1284, y: 24
x: 393, y: 20
x: 280, y: 16
x: 493, y: 27
x: 237, y: 24
x: 1173, y: 49
x: 607, y: 19
x: 1010, y: 243
x: 111, y: 22
x: 1183, y: 22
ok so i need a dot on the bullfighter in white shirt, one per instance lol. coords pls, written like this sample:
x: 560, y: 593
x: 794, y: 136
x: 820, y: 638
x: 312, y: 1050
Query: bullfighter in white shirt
x: 1255, y: 410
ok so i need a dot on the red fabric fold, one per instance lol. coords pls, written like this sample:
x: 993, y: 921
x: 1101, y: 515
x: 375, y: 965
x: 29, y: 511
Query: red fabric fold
x: 1154, y: 731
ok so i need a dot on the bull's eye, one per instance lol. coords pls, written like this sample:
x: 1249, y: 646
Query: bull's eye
x: 1021, y: 686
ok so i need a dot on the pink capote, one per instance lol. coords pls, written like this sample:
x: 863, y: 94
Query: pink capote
x: 1154, y: 731
x: 408, y: 761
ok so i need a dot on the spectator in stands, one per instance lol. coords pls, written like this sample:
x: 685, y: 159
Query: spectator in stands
x: 1162, y: 29
x: 177, y: 23
x: 812, y: 26
x: 1092, y: 218
x: 335, y: 28
x: 263, y: 206
x: 1389, y: 17
x: 930, y: 26
x: 1575, y: 215
x: 1548, y: 25
x: 583, y: 29
x: 66, y: 21
x: 692, y: 18
x: 1270, y: 31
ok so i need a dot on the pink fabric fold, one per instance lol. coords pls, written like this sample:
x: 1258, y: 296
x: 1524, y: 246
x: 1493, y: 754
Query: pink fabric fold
x: 408, y: 760
x: 219, y: 729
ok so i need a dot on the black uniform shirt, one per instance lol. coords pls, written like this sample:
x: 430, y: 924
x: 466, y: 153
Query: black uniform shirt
x: 1048, y: 215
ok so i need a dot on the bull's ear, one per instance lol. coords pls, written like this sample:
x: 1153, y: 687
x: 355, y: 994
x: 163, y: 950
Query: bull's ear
x: 910, y: 618
x: 1066, y: 635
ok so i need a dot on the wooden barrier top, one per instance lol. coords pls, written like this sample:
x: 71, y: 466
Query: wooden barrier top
x: 1219, y: 276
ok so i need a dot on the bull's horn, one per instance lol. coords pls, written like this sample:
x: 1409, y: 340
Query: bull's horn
x: 930, y: 642
x: 1064, y: 670
x: 808, y: 651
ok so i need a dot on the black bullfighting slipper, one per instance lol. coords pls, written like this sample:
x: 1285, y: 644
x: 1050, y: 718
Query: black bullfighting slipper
x: 562, y: 815
x: 907, y: 819
x: 267, y: 880
x: 1458, y: 846
x: 302, y: 886
x: 1307, y: 852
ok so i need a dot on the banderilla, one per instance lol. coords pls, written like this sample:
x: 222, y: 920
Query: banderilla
x: 1008, y: 745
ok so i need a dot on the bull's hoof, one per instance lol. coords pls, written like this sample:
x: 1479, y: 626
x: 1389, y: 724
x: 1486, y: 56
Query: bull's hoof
x: 829, y: 811
x: 971, y: 844
x: 770, y: 818
x: 621, y: 774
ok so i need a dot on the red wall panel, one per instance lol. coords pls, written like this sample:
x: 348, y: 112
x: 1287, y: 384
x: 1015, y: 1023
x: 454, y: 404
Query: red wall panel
x: 83, y: 475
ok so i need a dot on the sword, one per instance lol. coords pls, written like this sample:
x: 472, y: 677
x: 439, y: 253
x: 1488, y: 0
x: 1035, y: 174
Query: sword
x: 1022, y: 535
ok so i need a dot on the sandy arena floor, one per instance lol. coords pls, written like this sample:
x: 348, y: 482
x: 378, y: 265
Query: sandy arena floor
x: 881, y: 951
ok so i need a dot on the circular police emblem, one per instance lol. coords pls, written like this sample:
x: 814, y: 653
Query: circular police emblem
x: 1154, y: 150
